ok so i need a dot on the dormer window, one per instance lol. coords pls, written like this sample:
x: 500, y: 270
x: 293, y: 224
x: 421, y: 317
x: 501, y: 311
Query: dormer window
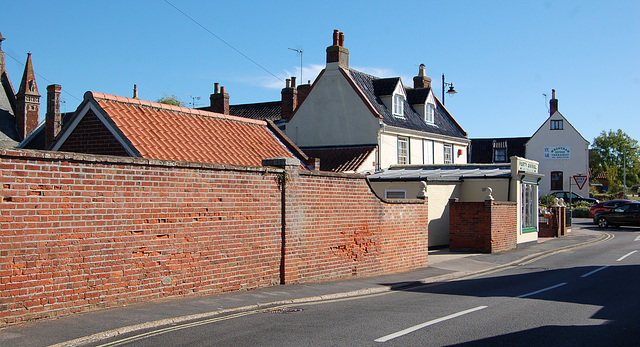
x: 429, y: 114
x: 398, y: 105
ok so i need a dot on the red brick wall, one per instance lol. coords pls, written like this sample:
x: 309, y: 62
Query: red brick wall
x: 339, y: 229
x: 80, y: 232
x: 92, y: 136
x: 488, y: 226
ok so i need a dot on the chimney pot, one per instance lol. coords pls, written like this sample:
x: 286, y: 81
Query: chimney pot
x: 293, y: 82
x: 341, y: 40
x: 335, y: 37
x: 135, y: 91
x: 216, y: 88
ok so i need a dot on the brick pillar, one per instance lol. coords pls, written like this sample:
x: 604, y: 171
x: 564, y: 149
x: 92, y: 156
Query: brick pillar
x: 289, y: 272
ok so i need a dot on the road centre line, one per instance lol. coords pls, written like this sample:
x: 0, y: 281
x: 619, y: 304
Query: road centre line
x: 594, y: 271
x: 626, y: 255
x: 541, y: 290
x: 426, y: 324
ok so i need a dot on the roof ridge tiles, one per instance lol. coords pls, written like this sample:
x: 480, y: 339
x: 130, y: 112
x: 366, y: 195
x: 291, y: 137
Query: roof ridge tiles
x: 178, y: 109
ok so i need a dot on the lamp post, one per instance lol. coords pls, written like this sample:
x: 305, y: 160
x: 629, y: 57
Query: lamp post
x: 624, y: 175
x: 451, y: 91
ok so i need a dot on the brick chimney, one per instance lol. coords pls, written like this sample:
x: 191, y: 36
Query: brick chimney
x: 336, y: 53
x: 219, y: 100
x: 53, y: 119
x: 27, y: 101
x: 553, y: 103
x: 303, y: 92
x: 289, y: 99
x: 1, y: 55
x: 422, y: 80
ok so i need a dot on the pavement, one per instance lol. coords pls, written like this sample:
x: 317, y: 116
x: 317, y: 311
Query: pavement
x: 94, y: 326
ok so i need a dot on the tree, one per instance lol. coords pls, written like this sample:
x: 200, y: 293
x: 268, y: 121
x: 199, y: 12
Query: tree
x: 170, y: 100
x: 608, y: 155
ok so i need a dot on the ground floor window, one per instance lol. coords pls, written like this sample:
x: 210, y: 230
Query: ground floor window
x: 529, y: 207
x: 557, y: 180
x: 395, y: 194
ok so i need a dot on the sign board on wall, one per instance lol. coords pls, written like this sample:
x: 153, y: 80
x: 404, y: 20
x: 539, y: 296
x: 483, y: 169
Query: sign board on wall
x: 557, y: 152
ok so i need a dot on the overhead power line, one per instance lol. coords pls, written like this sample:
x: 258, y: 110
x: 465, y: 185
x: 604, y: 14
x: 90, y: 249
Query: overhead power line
x: 44, y: 78
x: 223, y: 41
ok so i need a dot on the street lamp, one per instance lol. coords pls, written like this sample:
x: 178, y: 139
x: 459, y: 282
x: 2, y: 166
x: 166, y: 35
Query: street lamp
x: 451, y: 91
x: 624, y: 175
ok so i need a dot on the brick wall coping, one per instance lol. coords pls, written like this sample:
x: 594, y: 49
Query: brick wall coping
x: 117, y: 160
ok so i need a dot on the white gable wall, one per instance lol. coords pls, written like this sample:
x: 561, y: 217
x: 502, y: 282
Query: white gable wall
x: 568, y: 137
x: 333, y: 115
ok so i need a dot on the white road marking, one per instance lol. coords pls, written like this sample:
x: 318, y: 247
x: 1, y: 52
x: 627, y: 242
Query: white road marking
x: 426, y: 324
x: 637, y: 238
x: 624, y: 256
x: 594, y: 271
x: 541, y: 290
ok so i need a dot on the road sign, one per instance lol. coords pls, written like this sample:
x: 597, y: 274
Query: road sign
x: 580, y: 180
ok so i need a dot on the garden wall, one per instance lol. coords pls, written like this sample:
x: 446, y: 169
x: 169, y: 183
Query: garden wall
x: 80, y: 232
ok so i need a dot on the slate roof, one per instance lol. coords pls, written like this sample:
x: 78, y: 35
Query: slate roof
x: 444, y: 123
x: 445, y: 172
x: 481, y: 150
x: 340, y: 159
x: 9, y: 136
x: 37, y: 138
x: 264, y: 110
x: 166, y: 132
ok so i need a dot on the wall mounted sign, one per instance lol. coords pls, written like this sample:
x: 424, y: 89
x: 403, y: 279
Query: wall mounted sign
x: 557, y: 152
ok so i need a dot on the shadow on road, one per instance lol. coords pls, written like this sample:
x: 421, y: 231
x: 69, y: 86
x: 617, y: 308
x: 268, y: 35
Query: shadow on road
x: 620, y: 307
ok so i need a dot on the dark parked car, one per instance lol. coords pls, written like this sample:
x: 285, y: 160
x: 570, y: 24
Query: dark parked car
x: 606, y: 206
x: 628, y: 215
x: 570, y: 197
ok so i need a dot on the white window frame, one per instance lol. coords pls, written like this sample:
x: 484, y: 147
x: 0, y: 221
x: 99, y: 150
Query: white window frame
x: 403, y: 150
x: 448, y: 153
x: 556, y: 124
x: 398, y: 105
x: 427, y: 152
x: 495, y: 157
x: 429, y: 114
x: 395, y: 191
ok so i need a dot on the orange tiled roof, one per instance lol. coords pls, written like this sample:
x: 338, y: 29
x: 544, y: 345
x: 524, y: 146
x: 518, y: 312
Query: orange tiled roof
x: 160, y: 131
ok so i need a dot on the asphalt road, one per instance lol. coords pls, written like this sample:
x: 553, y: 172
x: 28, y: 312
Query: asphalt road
x: 579, y: 297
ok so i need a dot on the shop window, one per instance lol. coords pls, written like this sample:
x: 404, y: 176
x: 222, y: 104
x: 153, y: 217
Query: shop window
x: 557, y: 180
x: 556, y: 124
x: 529, y: 207
x: 448, y: 154
x: 403, y: 150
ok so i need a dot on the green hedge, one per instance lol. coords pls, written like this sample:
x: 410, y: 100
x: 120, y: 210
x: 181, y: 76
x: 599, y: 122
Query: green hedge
x: 581, y: 212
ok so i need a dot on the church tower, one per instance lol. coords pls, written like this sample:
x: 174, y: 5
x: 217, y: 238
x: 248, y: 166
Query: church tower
x: 27, y: 101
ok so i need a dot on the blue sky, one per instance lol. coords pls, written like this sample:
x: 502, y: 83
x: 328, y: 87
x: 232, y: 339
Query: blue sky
x: 501, y: 56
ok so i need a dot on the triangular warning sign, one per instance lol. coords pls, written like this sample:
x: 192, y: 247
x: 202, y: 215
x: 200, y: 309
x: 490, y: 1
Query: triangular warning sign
x: 580, y: 180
